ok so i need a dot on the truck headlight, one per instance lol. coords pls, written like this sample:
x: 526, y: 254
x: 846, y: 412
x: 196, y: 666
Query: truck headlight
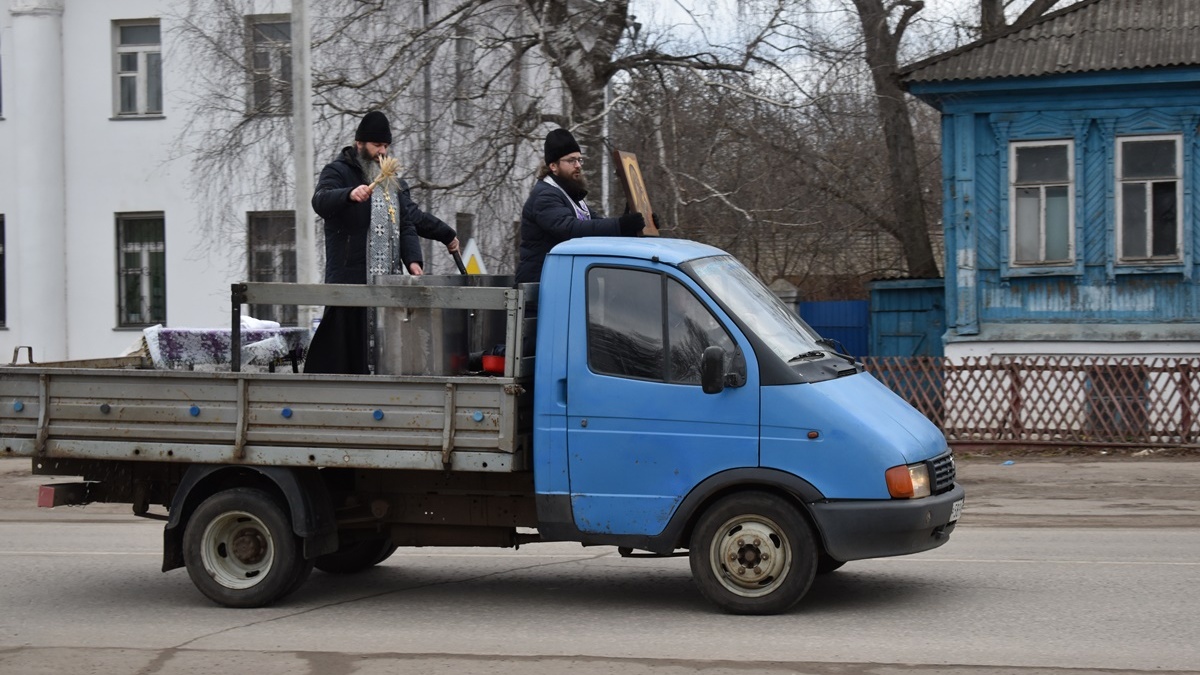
x: 908, y: 482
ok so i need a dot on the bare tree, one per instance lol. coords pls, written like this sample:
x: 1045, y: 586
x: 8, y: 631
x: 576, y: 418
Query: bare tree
x: 993, y: 15
x: 471, y: 87
x: 883, y: 29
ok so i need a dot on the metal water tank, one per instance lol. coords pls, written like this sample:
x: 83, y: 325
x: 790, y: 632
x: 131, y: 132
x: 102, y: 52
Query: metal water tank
x: 426, y: 341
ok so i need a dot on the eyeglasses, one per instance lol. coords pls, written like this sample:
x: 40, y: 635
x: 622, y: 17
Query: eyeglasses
x: 575, y: 161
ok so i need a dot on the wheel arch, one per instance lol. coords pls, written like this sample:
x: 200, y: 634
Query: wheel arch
x: 789, y: 487
x: 309, y: 505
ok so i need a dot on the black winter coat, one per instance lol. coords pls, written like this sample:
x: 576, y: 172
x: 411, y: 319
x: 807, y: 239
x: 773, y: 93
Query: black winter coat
x: 347, y: 222
x: 549, y: 219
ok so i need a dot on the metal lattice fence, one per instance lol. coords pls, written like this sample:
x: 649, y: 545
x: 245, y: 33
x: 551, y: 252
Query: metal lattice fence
x: 1052, y: 400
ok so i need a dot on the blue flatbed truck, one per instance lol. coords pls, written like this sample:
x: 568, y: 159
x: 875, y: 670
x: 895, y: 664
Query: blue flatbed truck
x: 672, y: 404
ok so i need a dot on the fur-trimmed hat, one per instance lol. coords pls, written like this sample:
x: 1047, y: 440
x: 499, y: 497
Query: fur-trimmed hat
x: 374, y: 128
x: 559, y: 143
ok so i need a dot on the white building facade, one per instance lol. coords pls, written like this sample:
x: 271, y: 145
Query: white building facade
x: 104, y: 226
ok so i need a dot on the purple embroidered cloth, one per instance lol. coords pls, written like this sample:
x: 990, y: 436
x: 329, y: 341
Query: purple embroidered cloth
x: 186, y: 347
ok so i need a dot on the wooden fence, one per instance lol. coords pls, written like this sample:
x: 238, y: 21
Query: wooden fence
x: 1052, y: 400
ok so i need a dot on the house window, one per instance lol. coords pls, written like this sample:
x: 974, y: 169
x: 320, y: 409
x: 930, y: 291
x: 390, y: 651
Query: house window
x: 273, y: 258
x: 1042, y: 194
x: 1149, y: 195
x: 634, y: 330
x: 464, y: 68
x: 138, y: 68
x: 141, y: 269
x: 269, y: 40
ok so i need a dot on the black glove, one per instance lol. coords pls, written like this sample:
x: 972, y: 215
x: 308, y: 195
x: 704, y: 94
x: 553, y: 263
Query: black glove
x: 654, y: 217
x: 631, y: 224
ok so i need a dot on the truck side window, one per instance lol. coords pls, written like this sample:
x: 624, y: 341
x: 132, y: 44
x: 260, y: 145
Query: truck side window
x: 691, y: 328
x: 625, y: 323
x: 627, y: 332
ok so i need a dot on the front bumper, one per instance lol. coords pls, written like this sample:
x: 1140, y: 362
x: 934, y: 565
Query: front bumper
x: 856, y: 530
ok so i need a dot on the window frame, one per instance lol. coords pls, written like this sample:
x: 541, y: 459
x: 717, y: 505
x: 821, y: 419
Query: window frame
x: 3, y: 274
x: 464, y: 74
x: 1120, y: 260
x: 665, y: 371
x: 274, y: 71
x: 1042, y: 265
x: 146, y: 283
x: 141, y: 76
x: 286, y: 315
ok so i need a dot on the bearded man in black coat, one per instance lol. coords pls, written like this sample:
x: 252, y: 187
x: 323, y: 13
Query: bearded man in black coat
x: 556, y: 210
x: 367, y: 232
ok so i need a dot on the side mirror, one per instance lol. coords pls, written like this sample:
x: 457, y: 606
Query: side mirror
x: 712, y: 370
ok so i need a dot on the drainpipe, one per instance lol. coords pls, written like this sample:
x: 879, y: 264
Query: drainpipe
x: 302, y: 153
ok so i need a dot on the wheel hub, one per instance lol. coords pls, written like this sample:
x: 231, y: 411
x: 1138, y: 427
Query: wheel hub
x: 249, y: 546
x: 752, y: 555
x: 236, y: 550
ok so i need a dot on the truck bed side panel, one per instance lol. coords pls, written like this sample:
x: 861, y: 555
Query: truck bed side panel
x: 260, y: 418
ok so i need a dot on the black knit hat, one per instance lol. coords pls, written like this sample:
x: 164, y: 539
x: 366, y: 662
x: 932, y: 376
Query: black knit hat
x: 559, y: 143
x: 374, y: 128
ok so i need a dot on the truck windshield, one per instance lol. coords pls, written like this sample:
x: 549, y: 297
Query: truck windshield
x: 762, y: 311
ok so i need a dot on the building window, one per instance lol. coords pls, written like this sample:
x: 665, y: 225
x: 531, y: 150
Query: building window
x: 269, y: 40
x: 138, y: 66
x: 3, y: 277
x: 464, y: 227
x: 632, y: 334
x: 141, y: 269
x: 1149, y: 194
x: 464, y: 69
x: 273, y: 258
x: 1042, y: 203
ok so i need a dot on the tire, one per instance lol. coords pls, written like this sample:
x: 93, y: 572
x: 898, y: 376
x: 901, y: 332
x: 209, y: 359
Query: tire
x: 356, y: 556
x: 748, y: 528
x: 825, y: 564
x: 240, y: 550
x: 306, y: 568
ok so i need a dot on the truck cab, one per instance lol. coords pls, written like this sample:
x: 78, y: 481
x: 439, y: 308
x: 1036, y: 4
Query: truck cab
x: 672, y: 385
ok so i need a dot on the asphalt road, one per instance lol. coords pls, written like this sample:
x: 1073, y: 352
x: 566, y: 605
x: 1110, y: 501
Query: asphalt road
x: 1056, y: 568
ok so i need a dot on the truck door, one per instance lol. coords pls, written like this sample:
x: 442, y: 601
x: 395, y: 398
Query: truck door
x: 641, y: 433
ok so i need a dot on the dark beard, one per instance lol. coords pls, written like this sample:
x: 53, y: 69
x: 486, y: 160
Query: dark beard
x: 369, y: 167
x: 575, y: 189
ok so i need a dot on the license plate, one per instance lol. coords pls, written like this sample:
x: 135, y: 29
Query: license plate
x: 956, y: 510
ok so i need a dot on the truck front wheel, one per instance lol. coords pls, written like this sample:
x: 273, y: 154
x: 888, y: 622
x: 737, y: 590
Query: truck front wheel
x: 240, y: 550
x: 753, y: 553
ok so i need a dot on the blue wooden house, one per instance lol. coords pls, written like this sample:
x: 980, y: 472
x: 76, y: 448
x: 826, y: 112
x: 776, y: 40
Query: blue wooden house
x: 1071, y: 169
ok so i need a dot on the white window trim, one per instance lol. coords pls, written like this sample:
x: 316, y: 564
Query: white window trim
x: 1012, y: 206
x: 1119, y: 205
x: 142, y: 77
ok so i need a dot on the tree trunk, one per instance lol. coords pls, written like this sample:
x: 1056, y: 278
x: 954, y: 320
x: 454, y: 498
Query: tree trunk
x: 910, y: 227
x: 991, y: 17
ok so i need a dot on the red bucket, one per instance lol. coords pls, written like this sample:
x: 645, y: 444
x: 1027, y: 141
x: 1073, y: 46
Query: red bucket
x: 493, y: 364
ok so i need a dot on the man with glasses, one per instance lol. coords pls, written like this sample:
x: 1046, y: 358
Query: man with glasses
x: 556, y: 211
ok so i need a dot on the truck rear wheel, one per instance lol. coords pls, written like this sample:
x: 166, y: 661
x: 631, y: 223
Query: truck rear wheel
x: 357, y: 556
x: 753, y: 553
x: 240, y: 550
